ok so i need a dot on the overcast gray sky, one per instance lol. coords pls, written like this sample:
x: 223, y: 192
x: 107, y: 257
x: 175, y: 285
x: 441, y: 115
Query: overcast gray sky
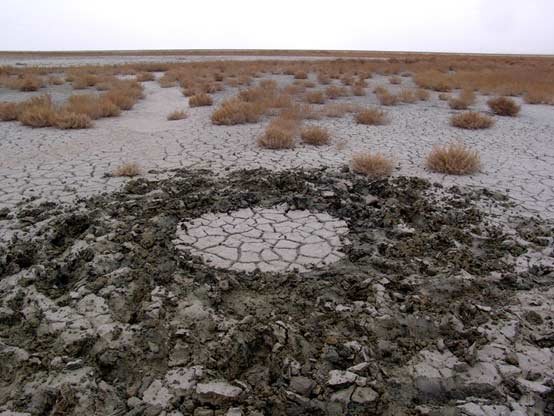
x: 502, y: 26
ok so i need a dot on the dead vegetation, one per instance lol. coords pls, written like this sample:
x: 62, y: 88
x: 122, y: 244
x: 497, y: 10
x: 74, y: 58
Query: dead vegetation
x: 315, y: 97
x: 68, y: 120
x: 236, y: 111
x: 315, y: 135
x: 453, y: 159
x: 374, y: 165
x: 177, y: 115
x: 200, y: 100
x: 504, y: 106
x: 8, y: 111
x: 371, y: 117
x: 471, y: 120
x: 465, y: 99
x: 279, y: 134
x: 129, y: 169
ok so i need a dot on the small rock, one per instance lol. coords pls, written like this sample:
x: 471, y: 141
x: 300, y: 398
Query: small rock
x: 203, y: 411
x: 234, y: 411
x: 364, y: 395
x: 342, y: 378
x: 133, y: 402
x: 217, y: 391
x: 302, y: 385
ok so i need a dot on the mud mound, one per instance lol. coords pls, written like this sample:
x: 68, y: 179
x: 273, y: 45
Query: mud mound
x: 435, y: 307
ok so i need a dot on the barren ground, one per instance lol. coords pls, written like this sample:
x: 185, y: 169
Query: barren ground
x: 233, y: 280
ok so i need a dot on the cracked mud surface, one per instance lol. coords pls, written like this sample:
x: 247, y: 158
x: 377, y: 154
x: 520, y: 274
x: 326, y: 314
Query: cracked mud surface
x: 441, y: 305
x: 48, y: 164
x: 268, y: 239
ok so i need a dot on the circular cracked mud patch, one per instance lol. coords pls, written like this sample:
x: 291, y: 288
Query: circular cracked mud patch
x: 270, y: 239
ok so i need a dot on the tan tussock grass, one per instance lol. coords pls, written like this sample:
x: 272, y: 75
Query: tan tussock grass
x: 279, y: 134
x: 334, y: 91
x: 315, y: 97
x: 127, y: 169
x: 504, y: 106
x: 67, y: 120
x: 374, y: 165
x: 145, y: 76
x: 371, y: 117
x: 200, y: 100
x: 235, y: 111
x: 8, y: 111
x: 315, y: 135
x: 177, y: 115
x: 471, y: 120
x: 453, y: 159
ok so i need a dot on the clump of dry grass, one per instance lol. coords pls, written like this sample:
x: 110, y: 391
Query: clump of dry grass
x: 127, y: 169
x: 68, y: 120
x: 339, y: 110
x: 371, y: 117
x: 125, y: 93
x: 279, y: 134
x: 323, y: 78
x: 387, y: 99
x: 177, y: 115
x: 30, y: 83
x: 235, y: 111
x: 145, y: 76
x: 443, y: 96
x: 504, y: 106
x: 315, y: 135
x: 395, y: 80
x: 315, y: 97
x: 539, y: 96
x: 422, y: 95
x: 407, y: 96
x: 358, y: 90
x: 200, y: 100
x: 374, y: 165
x: 94, y: 106
x: 300, y: 75
x: 463, y: 101
x: 334, y: 92
x: 82, y: 81
x: 434, y: 80
x: 454, y: 159
x: 471, y: 120
x: 37, y: 112
x: 8, y: 111
x: 54, y: 80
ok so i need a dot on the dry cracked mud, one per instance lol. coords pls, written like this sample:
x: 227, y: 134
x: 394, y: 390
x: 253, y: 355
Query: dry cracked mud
x: 440, y: 305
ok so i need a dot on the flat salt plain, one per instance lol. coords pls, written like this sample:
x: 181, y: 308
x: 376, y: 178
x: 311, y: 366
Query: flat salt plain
x: 517, y: 153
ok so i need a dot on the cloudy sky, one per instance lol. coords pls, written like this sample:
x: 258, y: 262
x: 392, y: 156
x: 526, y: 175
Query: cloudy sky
x: 501, y: 26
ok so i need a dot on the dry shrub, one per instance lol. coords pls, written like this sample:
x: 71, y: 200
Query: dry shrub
x: 387, y: 99
x: 145, y: 76
x: 407, y: 96
x: 30, y: 83
x: 177, y: 115
x: 334, y: 91
x: 339, y: 110
x: 94, y: 106
x: 539, y: 96
x: 503, y: 106
x: 300, y: 112
x: 167, y: 81
x: 422, y: 95
x: 443, y: 96
x: 453, y: 159
x: 53, y: 80
x: 8, y: 111
x: 315, y: 97
x: 395, y: 80
x: 83, y: 81
x: 127, y: 169
x: 471, y: 120
x: 37, y: 112
x: 434, y: 80
x: 347, y: 80
x: 125, y: 94
x: 235, y: 111
x: 279, y: 134
x: 358, y: 90
x: 323, y: 78
x: 374, y: 165
x: 379, y: 89
x: 315, y: 135
x: 200, y: 100
x: 371, y: 117
x: 68, y: 120
x: 295, y: 89
x: 463, y: 101
x: 300, y: 75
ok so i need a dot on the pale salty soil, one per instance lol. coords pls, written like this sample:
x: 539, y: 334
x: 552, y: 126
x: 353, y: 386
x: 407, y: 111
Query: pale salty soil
x: 517, y: 153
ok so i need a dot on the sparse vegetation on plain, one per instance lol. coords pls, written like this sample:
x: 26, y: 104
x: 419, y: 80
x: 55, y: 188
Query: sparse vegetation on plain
x: 454, y: 159
x: 504, y: 106
x: 471, y: 120
x: 371, y: 117
x: 315, y: 135
x: 130, y: 170
x: 374, y: 165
